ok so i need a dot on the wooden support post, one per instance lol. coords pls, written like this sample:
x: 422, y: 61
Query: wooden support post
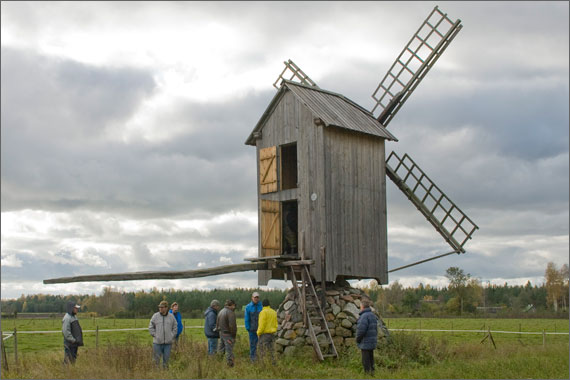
x: 451, y: 328
x: 520, y: 331
x: 184, y: 327
x: 4, y: 358
x: 97, y: 337
x: 543, y: 338
x: 16, y: 346
x: 323, y: 277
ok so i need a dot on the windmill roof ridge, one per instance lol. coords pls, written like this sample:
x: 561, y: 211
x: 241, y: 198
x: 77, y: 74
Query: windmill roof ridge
x: 333, y: 108
x: 316, y: 88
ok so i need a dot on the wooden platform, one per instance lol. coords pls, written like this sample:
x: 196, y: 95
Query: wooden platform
x: 267, y: 258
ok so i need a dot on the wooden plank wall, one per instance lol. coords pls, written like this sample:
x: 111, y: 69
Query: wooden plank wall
x: 356, y: 205
x: 291, y: 121
x: 280, y: 128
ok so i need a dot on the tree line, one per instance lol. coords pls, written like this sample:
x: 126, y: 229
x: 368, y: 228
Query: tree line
x: 465, y: 295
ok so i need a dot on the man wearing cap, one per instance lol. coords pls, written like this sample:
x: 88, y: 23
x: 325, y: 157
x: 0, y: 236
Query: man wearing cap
x: 163, y: 328
x: 72, y: 333
x: 210, y: 331
x: 226, y: 325
x: 252, y: 311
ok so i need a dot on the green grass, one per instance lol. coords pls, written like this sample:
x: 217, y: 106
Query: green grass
x: 410, y: 355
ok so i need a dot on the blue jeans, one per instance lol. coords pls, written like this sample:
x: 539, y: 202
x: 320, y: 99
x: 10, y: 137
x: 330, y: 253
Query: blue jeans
x: 161, y: 350
x: 252, y: 344
x: 212, y: 346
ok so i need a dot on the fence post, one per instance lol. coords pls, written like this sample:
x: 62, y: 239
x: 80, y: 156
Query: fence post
x: 543, y: 338
x: 4, y: 358
x: 15, y: 346
x: 519, y: 330
x: 184, y: 327
x: 420, y: 326
x: 451, y: 328
x: 97, y: 337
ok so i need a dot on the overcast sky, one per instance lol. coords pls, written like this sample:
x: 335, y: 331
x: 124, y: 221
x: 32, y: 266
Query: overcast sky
x: 123, y: 129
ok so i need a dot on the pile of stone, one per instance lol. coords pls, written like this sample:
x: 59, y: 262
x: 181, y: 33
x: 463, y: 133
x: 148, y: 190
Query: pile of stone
x: 341, y: 313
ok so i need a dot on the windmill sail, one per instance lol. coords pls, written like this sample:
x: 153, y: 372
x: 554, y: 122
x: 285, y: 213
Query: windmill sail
x: 413, y: 63
x: 296, y: 72
x: 448, y: 219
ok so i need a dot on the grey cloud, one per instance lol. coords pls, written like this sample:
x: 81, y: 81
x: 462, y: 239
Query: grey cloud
x: 69, y: 100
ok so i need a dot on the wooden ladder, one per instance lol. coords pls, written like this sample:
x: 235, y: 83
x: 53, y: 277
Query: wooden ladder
x: 313, y: 314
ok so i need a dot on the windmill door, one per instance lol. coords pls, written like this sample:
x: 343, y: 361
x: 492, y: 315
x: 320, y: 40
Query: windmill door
x: 270, y: 228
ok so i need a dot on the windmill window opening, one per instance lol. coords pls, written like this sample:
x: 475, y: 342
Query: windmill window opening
x: 290, y: 217
x: 289, y: 166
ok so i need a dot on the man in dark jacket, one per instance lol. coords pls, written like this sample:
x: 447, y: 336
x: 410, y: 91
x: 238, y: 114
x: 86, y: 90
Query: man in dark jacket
x: 226, y: 325
x: 367, y: 335
x: 210, y: 331
x: 251, y: 319
x: 72, y: 333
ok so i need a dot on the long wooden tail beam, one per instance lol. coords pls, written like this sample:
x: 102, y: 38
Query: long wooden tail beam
x: 257, y: 264
x: 165, y: 275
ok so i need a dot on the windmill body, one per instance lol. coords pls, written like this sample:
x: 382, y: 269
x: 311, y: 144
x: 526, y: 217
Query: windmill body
x: 321, y: 184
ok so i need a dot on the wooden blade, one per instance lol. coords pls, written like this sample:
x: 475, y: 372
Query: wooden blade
x: 413, y: 63
x: 165, y: 275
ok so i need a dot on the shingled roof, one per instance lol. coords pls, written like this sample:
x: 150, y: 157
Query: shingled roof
x: 332, y: 108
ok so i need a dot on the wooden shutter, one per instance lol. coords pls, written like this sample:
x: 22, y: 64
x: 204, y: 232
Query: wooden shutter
x: 270, y: 228
x: 268, y: 170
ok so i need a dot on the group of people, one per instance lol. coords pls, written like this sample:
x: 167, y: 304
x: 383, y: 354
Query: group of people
x: 260, y: 322
x: 220, y: 325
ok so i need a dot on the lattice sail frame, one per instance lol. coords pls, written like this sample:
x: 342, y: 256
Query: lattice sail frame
x: 448, y: 219
x: 295, y: 72
x: 413, y: 63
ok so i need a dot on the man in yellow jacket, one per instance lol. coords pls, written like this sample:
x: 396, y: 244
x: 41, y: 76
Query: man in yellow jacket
x: 266, y: 329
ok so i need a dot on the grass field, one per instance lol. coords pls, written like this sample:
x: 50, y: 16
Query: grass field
x: 425, y: 355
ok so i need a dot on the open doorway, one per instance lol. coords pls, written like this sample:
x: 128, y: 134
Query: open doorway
x: 289, y: 166
x: 289, y: 223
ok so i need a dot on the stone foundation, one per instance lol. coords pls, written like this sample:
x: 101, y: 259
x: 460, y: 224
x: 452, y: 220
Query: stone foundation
x: 341, y: 312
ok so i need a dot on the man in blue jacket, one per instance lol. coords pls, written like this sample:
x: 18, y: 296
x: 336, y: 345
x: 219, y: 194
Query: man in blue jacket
x: 178, y: 317
x: 367, y: 335
x: 210, y: 331
x: 252, y: 311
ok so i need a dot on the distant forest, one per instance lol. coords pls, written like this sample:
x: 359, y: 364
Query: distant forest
x: 464, y: 296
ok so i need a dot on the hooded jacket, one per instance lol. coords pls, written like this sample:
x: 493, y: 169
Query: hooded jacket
x: 267, y: 321
x: 367, y: 330
x: 251, y: 317
x: 180, y: 325
x: 70, y: 328
x: 210, y: 323
x: 163, y: 328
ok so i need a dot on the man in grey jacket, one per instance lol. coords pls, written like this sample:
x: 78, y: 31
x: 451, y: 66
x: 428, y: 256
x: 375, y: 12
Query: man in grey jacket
x: 163, y: 329
x: 72, y: 333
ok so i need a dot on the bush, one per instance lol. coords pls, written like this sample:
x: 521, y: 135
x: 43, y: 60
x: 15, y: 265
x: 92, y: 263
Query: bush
x: 404, y: 349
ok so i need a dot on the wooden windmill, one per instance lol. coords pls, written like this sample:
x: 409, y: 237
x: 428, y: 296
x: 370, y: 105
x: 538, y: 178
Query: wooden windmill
x: 322, y: 169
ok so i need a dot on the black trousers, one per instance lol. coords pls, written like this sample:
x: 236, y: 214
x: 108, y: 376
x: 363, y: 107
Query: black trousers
x: 70, y: 354
x: 368, y: 360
